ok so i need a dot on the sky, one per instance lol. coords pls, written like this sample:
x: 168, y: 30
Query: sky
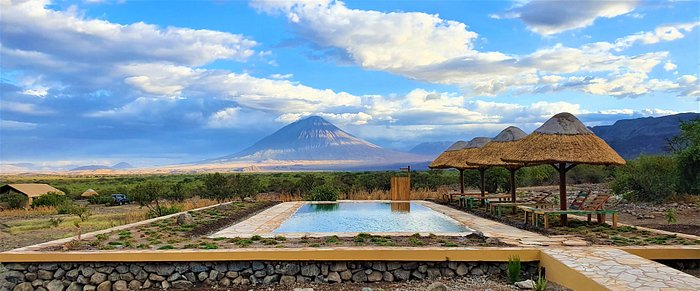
x: 161, y: 82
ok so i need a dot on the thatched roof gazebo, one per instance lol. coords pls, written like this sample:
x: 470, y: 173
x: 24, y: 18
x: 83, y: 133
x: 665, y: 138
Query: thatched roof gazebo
x: 490, y: 155
x: 563, y: 142
x: 447, y: 160
x: 470, y: 152
x: 89, y: 193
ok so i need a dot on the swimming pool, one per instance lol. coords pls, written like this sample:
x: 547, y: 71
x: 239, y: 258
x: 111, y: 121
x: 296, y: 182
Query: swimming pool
x: 369, y: 217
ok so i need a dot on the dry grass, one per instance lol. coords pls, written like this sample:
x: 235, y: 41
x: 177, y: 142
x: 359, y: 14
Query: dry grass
x: 29, y: 212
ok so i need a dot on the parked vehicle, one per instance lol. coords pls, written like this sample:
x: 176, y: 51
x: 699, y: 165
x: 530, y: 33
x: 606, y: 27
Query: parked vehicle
x: 120, y: 199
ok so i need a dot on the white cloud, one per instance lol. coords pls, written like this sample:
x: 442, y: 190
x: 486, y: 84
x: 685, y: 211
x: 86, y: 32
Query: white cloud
x: 405, y: 43
x: 16, y: 125
x: 225, y: 118
x: 375, y: 39
x: 669, y: 66
x: 281, y: 76
x: 660, y: 34
x: 24, y: 108
x: 548, y: 17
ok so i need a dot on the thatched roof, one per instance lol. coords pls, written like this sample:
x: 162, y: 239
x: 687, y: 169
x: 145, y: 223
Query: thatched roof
x: 491, y: 153
x: 31, y: 190
x: 89, y: 193
x: 470, y: 151
x: 563, y: 139
x: 447, y: 158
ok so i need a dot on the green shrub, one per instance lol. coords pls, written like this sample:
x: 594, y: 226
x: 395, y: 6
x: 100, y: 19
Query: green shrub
x: 647, y: 178
x: 161, y: 210
x: 14, y: 200
x: 541, y: 283
x: 324, y: 193
x: 100, y: 199
x: 671, y: 216
x: 686, y: 148
x: 50, y: 199
x: 514, y: 269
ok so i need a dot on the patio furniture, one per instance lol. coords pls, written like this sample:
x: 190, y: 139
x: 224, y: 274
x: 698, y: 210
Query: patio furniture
x: 576, y: 208
x: 536, y: 200
x: 533, y: 212
x: 486, y: 200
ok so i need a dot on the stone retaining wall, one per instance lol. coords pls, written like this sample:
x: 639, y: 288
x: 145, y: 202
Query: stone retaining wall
x: 132, y: 276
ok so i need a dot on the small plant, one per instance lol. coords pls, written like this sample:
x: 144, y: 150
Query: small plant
x: 332, y: 239
x: 269, y: 242
x: 671, y: 216
x: 514, y: 269
x: 280, y: 238
x: 55, y: 221
x: 102, y: 237
x: 314, y: 245
x: 255, y: 238
x: 209, y: 246
x: 414, y: 241
x: 541, y: 283
x: 244, y: 242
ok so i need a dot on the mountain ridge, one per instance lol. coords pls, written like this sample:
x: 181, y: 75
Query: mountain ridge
x: 314, y: 138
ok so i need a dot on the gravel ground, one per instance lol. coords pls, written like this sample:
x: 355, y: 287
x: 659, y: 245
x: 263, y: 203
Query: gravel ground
x: 453, y: 284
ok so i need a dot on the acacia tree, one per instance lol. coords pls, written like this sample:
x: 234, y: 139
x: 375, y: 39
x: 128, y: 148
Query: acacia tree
x: 244, y: 186
x: 217, y: 187
x: 149, y: 193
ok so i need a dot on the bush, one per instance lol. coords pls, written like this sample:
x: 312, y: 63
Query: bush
x: 161, y: 210
x: 100, y: 199
x: 50, y: 199
x: 514, y: 269
x: 647, y: 178
x: 324, y: 193
x: 14, y: 200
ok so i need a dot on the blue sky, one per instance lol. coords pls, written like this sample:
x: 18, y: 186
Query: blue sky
x: 158, y: 82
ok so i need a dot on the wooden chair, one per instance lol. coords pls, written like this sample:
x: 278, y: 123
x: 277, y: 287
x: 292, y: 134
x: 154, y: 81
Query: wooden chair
x: 537, y: 200
x: 596, y: 206
x: 574, y: 208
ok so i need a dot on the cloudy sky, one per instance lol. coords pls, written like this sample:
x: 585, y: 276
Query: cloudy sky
x: 157, y: 82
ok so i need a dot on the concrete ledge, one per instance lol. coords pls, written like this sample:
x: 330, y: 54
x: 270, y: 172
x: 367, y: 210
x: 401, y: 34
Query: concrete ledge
x: 560, y: 273
x: 691, y: 252
x: 300, y: 254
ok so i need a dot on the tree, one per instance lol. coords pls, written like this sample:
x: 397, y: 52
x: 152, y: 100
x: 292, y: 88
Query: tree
x: 216, y: 187
x: 686, y: 147
x: 149, y: 194
x: 244, y: 186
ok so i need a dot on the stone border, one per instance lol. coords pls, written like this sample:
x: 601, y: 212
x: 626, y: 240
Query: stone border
x: 265, y: 223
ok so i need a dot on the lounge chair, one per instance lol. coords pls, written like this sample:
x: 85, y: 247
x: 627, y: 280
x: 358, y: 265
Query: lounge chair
x: 536, y: 200
x: 577, y: 207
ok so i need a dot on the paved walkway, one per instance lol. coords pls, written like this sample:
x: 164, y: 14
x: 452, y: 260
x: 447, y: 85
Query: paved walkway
x: 619, y: 270
x: 263, y: 223
x: 505, y: 233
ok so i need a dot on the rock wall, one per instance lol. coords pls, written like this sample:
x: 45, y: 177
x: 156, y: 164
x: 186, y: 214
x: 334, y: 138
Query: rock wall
x: 132, y: 276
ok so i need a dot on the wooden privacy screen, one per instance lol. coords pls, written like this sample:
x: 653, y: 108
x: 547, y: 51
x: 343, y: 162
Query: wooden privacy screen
x: 400, y: 188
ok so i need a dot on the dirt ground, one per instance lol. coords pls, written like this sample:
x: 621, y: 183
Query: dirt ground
x: 28, y: 230
x: 643, y: 214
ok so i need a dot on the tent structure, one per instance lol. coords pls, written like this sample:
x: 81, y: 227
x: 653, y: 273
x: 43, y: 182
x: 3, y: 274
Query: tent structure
x: 468, y: 153
x: 490, y: 155
x: 89, y: 193
x: 446, y: 160
x: 563, y: 142
x: 30, y: 190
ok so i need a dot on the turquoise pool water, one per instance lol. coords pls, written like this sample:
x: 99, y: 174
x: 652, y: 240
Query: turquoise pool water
x: 369, y: 217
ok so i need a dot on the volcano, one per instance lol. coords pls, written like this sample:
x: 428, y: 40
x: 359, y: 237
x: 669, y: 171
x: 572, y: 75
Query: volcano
x: 314, y: 138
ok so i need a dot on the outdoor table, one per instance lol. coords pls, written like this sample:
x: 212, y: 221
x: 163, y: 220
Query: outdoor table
x: 532, y: 213
x: 495, y: 207
x: 500, y: 197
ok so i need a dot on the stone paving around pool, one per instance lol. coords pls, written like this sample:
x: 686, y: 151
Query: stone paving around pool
x: 619, y: 270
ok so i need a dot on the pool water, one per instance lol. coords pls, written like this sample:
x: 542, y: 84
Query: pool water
x: 369, y: 217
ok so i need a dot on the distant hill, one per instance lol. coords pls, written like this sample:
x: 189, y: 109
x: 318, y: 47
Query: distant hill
x: 122, y: 166
x: 431, y: 149
x: 314, y: 138
x: 647, y: 135
x: 118, y: 166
